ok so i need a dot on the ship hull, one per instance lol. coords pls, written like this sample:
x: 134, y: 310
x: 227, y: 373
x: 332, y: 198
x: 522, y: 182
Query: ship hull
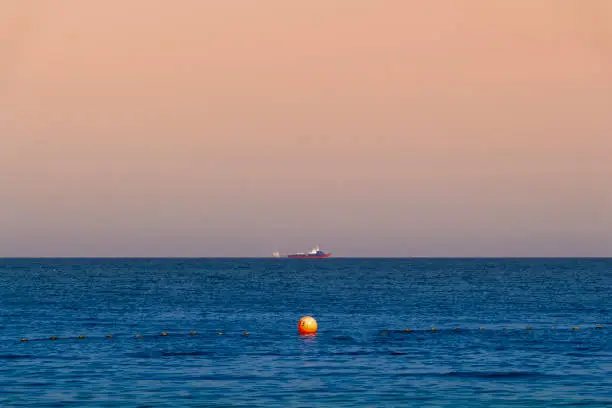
x: 296, y: 256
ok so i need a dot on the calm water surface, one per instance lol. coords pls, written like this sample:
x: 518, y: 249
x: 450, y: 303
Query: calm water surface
x: 362, y: 355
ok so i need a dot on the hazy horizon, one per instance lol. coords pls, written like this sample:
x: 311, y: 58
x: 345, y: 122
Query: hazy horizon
x: 389, y: 128
x: 283, y: 258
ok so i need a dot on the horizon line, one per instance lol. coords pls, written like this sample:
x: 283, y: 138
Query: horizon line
x: 331, y: 258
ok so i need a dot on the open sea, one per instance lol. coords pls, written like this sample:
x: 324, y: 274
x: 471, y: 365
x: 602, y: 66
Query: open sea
x: 508, y: 332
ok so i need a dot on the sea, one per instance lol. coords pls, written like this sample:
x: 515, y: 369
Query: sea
x: 395, y: 332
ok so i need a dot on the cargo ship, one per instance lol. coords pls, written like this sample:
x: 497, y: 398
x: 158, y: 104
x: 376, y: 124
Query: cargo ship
x: 315, y: 253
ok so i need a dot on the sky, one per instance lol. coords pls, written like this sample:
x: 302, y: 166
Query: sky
x: 370, y: 127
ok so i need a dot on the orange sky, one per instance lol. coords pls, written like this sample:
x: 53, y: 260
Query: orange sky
x: 370, y: 127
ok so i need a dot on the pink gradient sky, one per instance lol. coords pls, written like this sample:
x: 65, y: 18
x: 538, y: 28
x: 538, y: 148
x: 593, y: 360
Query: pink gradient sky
x: 373, y: 128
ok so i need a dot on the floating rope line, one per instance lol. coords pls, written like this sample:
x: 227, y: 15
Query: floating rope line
x: 246, y: 333
x: 458, y: 329
x: 113, y: 336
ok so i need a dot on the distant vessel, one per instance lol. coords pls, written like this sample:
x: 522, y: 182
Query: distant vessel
x: 315, y: 253
x: 276, y: 254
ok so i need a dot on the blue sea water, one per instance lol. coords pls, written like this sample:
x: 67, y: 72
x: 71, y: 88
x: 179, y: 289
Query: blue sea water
x: 361, y: 356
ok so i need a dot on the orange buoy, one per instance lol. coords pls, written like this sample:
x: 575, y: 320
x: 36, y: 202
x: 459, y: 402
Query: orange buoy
x: 307, y: 325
